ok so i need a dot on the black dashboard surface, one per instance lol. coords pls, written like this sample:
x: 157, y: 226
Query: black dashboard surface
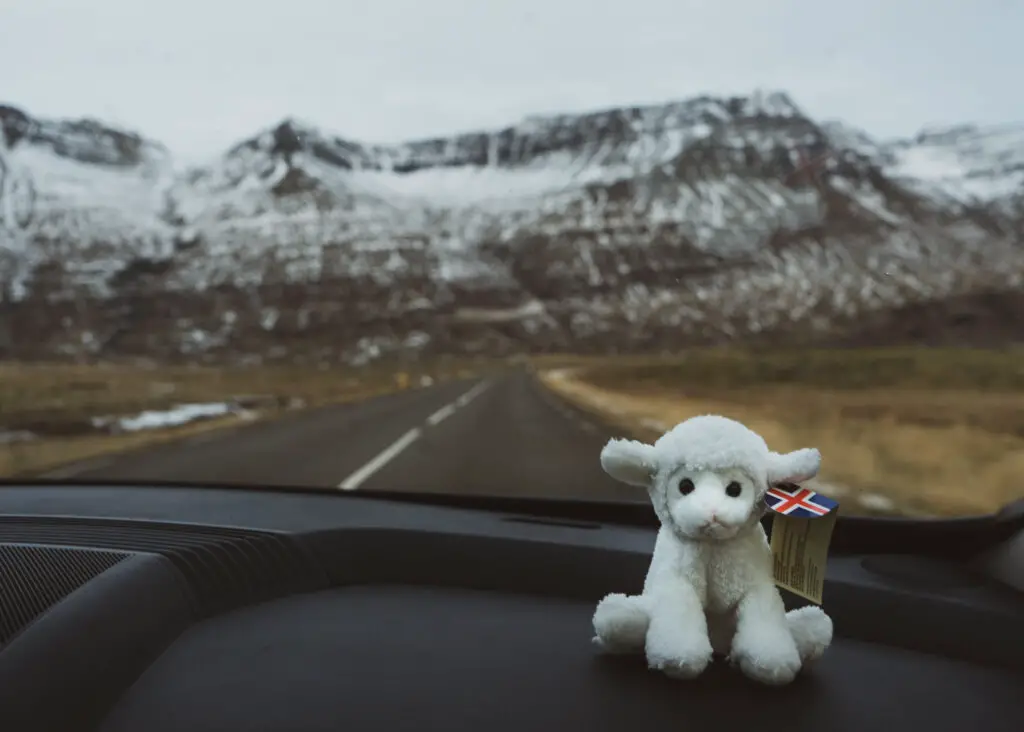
x: 167, y: 608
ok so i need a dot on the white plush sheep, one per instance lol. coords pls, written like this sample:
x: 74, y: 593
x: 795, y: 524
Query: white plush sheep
x: 709, y: 587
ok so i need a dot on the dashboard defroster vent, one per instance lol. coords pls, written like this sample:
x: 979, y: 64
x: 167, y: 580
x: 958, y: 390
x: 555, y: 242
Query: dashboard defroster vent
x: 34, y: 578
x: 224, y: 568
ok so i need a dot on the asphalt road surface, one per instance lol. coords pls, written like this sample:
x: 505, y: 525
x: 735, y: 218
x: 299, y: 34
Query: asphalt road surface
x: 506, y: 435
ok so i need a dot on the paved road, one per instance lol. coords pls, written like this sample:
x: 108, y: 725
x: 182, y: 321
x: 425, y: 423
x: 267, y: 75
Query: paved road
x: 502, y: 436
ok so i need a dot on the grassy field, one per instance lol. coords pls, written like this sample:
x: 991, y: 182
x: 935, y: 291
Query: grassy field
x: 915, y: 431
x: 47, y: 410
x: 918, y: 431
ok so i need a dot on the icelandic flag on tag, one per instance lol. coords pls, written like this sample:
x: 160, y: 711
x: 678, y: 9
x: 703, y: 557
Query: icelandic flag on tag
x: 792, y: 500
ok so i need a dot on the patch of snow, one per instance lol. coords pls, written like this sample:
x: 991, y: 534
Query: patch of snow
x: 416, y: 339
x: 159, y: 419
x: 560, y: 375
x: 9, y: 437
x: 966, y: 163
x: 876, y: 502
x: 531, y: 309
x: 94, y: 199
x: 827, y: 488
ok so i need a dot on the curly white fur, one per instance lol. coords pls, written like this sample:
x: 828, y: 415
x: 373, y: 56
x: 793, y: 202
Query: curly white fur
x: 709, y: 587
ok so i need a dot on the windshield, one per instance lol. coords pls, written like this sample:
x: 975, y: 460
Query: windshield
x: 455, y: 247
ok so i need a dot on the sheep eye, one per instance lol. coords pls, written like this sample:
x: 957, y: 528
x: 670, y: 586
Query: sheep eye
x: 685, y: 486
x: 733, y: 490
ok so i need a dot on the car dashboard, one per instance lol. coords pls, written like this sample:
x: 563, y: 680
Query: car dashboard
x: 210, y: 608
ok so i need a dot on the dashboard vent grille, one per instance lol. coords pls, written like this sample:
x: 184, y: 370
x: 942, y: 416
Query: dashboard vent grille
x: 224, y: 567
x: 34, y: 578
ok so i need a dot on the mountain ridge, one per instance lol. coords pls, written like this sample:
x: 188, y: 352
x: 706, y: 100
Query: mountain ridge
x: 698, y: 221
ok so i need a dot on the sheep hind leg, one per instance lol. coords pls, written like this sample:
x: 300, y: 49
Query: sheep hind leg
x: 621, y: 622
x: 812, y: 631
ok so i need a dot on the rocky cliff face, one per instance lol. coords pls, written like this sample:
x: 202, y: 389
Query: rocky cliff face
x: 702, y: 221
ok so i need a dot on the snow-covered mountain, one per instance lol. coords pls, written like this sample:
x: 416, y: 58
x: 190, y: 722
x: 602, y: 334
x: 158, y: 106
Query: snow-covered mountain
x: 700, y: 221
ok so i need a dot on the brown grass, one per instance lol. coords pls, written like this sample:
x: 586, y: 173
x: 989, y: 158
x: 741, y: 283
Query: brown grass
x: 942, y: 435
x: 837, y: 369
x: 57, y: 402
x: 40, y: 456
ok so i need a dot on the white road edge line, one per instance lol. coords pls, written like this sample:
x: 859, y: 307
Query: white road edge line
x: 77, y: 468
x: 387, y: 455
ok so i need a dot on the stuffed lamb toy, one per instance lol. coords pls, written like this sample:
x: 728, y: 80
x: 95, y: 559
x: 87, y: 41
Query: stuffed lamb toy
x: 710, y: 588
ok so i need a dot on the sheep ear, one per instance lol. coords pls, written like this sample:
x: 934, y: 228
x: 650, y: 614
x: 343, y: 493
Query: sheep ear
x: 793, y: 467
x: 629, y: 461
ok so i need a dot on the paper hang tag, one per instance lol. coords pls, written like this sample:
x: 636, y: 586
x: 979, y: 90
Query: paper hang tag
x: 802, y: 523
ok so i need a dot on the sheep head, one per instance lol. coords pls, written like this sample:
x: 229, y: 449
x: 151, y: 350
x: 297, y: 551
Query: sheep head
x: 707, y: 476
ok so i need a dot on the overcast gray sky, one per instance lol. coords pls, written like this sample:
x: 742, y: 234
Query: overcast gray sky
x: 201, y: 74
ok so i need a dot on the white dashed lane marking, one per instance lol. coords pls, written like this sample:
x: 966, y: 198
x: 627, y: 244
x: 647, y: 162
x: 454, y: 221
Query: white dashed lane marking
x: 396, y: 448
x: 386, y: 456
x: 441, y: 414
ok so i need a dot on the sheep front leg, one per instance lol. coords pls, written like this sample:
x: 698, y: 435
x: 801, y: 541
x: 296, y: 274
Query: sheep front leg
x: 763, y: 645
x: 621, y: 622
x: 677, y: 638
